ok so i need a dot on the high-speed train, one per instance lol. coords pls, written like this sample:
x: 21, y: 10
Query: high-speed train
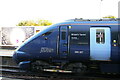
x: 78, y: 45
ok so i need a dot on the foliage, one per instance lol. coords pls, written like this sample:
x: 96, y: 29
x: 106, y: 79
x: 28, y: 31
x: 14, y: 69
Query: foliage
x: 35, y: 23
x: 110, y: 16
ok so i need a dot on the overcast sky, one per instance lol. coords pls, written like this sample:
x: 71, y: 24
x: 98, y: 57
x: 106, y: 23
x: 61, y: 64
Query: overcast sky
x: 14, y: 11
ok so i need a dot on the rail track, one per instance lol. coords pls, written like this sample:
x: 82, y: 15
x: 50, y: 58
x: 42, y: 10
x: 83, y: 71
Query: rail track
x: 15, y: 72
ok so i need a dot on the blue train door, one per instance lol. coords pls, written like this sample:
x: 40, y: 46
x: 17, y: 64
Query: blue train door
x: 63, y: 41
x: 100, y: 43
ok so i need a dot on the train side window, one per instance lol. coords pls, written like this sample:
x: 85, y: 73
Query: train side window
x: 119, y: 39
x: 63, y: 35
x: 100, y: 36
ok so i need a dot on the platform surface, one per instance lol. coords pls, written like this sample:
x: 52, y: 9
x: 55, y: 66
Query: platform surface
x: 6, y: 52
x: 4, y: 78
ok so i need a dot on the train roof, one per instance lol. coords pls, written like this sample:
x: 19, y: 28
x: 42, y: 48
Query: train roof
x: 106, y: 21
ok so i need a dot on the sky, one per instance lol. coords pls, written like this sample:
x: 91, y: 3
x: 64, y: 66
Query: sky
x: 14, y: 11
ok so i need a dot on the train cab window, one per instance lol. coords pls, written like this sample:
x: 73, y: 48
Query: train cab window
x: 100, y: 36
x: 47, y: 33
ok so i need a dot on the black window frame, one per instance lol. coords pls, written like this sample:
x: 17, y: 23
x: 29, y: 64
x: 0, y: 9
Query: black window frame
x: 78, y: 38
x: 100, y: 36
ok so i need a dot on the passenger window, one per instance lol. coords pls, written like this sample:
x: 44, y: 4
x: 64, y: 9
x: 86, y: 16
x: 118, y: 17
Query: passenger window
x: 100, y: 36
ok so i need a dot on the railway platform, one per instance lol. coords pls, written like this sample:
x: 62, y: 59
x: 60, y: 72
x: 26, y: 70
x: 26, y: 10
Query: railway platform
x: 6, y: 57
x: 6, y: 52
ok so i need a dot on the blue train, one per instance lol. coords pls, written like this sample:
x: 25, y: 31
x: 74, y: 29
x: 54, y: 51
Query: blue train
x: 77, y: 45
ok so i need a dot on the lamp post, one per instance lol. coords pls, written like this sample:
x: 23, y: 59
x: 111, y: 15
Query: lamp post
x: 101, y: 8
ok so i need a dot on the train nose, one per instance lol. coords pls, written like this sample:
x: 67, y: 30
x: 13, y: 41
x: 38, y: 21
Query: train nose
x: 20, y: 56
x: 15, y: 57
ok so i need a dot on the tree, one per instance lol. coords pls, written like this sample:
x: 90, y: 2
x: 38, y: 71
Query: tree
x: 35, y: 23
x: 44, y: 22
x: 110, y: 16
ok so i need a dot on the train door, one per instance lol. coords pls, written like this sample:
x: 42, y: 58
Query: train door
x: 100, y: 43
x: 63, y: 41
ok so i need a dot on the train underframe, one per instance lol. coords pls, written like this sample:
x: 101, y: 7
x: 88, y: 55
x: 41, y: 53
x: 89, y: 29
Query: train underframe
x: 73, y: 67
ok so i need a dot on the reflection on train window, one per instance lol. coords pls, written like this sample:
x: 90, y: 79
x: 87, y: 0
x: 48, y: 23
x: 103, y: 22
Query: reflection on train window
x: 63, y: 35
x: 100, y: 36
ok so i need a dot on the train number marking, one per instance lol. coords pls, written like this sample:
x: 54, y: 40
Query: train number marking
x: 79, y: 52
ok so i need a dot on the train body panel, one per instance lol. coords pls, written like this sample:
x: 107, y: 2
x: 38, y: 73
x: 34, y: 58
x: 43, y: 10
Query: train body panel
x: 71, y: 42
